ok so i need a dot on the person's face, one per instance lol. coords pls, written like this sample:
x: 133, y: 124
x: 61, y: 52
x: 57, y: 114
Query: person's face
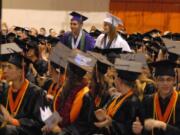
x: 75, y: 26
x: 106, y: 27
x: 33, y: 32
x: 93, y: 28
x: 42, y: 32
x: 30, y: 53
x: 117, y: 83
x: 19, y: 33
x: 42, y: 47
x: 146, y: 71
x: 54, y: 74
x: 165, y: 84
x: 11, y: 72
x: 53, y: 33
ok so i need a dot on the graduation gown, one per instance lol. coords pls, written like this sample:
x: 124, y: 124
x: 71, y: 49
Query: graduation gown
x: 28, y: 114
x: 83, y: 123
x: 124, y: 117
x: 149, y: 89
x: 148, y: 107
x: 86, y: 43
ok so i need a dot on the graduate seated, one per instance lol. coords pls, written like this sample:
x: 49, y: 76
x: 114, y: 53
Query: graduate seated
x: 117, y: 117
x: 20, y: 102
x: 161, y: 110
x: 101, y: 89
x: 58, y: 63
x: 73, y: 103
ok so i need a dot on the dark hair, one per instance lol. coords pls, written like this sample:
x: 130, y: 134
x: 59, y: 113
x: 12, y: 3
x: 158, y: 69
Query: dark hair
x: 131, y: 84
x: 98, y: 85
x: 43, y: 28
x: 73, y: 80
x: 112, y: 33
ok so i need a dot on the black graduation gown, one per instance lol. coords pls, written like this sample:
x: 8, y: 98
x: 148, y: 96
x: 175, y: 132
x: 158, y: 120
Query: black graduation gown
x: 28, y: 114
x: 172, y: 129
x: 124, y: 117
x: 149, y: 89
x: 84, y: 124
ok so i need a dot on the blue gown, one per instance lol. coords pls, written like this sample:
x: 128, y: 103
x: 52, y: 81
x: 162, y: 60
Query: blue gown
x: 86, y: 43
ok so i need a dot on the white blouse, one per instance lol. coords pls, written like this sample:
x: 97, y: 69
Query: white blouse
x: 119, y: 42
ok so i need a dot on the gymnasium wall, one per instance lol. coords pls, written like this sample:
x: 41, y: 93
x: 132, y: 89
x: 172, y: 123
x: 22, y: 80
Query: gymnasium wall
x: 53, y: 13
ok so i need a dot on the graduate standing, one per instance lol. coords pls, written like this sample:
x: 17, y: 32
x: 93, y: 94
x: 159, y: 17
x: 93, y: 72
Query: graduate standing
x: 110, y: 38
x: 20, y: 103
x: 78, y: 38
x: 161, y: 110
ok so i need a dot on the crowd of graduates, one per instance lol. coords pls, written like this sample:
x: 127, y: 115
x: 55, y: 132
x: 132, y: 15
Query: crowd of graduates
x: 89, y: 83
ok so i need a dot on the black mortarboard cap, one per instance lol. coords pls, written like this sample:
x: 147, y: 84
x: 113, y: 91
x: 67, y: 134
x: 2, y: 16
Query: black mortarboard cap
x: 164, y: 68
x: 128, y: 70
x: 12, y: 52
x: 173, y: 48
x: 52, y: 40
x: 95, y: 33
x: 102, y: 62
x: 41, y: 67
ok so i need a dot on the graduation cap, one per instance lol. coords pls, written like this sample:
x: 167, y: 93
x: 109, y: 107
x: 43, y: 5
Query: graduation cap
x: 9, y: 48
x: 59, y: 56
x: 111, y: 53
x: 176, y: 36
x: 138, y: 57
x: 113, y: 20
x: 17, y: 28
x: 95, y: 33
x: 135, y: 41
x: 81, y: 62
x: 78, y: 17
x: 102, y: 62
x: 10, y: 37
x: 155, y: 47
x: 154, y: 32
x: 58, y: 63
x: 164, y: 68
x: 128, y: 70
x: 11, y: 53
x: 21, y: 44
x: 52, y: 40
x: 41, y: 67
x: 167, y: 34
x: 146, y: 37
x: 173, y: 48
x: 33, y: 43
x: 41, y: 38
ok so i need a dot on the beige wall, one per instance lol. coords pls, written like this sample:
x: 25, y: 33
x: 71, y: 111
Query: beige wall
x: 53, y: 13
